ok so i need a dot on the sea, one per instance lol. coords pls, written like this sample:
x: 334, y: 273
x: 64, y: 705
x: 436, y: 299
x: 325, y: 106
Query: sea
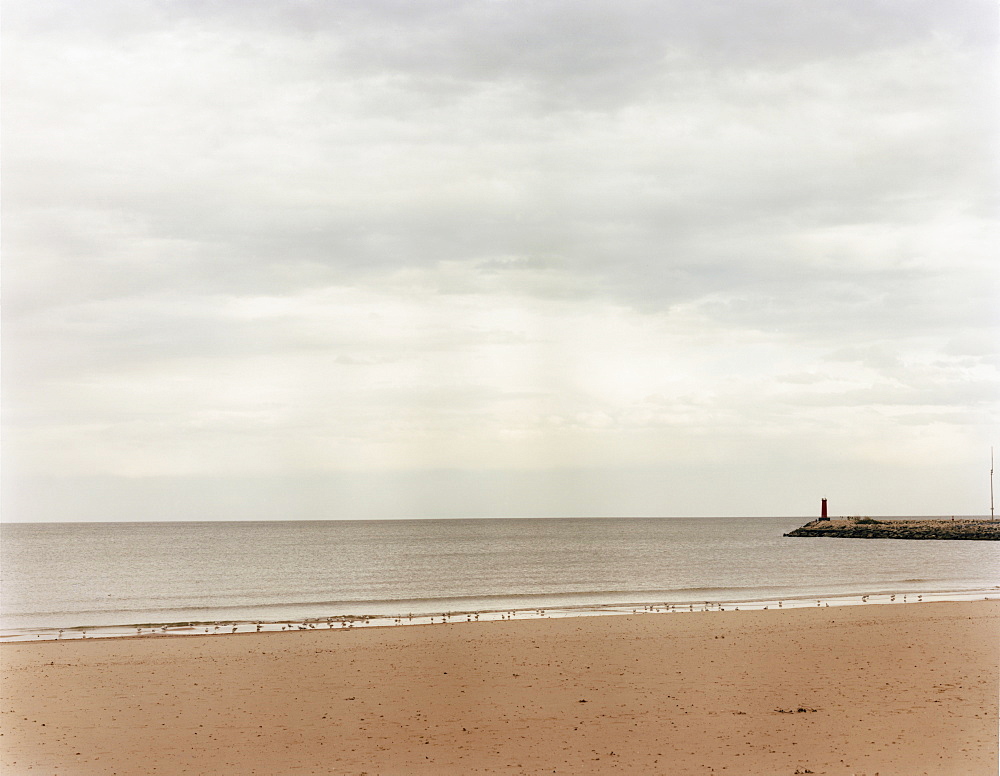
x: 188, y: 577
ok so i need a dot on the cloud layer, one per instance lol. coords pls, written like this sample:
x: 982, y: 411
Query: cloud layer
x: 494, y: 239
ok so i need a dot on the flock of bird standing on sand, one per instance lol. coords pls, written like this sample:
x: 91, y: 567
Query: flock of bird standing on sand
x: 350, y: 622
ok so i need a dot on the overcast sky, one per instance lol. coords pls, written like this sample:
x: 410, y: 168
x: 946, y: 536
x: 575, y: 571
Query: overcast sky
x: 296, y: 259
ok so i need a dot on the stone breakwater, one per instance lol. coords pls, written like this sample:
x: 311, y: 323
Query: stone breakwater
x: 868, y: 528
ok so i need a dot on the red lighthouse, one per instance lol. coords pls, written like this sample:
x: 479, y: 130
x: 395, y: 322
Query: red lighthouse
x: 823, y: 512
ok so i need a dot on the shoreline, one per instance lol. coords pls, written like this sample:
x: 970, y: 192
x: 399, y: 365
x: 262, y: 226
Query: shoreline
x: 229, y: 627
x: 839, y: 690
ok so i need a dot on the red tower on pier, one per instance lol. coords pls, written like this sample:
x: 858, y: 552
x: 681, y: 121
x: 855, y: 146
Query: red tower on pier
x: 823, y: 512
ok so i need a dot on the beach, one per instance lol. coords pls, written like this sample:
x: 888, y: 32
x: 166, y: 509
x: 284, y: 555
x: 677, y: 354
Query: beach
x: 907, y: 689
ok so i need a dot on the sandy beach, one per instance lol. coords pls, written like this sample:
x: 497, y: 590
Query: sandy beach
x: 909, y: 689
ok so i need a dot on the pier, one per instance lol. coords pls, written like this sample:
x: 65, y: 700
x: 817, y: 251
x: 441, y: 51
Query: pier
x: 870, y: 528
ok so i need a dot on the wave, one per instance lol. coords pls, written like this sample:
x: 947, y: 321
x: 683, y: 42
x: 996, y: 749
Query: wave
x: 420, y: 601
x: 439, y: 604
x: 189, y: 625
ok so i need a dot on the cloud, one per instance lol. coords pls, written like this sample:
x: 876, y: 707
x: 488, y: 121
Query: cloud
x: 381, y: 235
x: 251, y: 155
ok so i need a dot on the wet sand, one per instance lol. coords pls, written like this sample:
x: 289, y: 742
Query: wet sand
x: 908, y: 689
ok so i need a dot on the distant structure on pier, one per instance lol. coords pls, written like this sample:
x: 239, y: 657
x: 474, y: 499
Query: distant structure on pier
x: 823, y: 515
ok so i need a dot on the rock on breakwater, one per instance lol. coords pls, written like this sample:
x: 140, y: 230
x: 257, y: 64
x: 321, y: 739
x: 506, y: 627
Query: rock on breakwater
x: 867, y: 528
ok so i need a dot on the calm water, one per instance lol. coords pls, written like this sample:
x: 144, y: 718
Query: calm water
x: 66, y: 575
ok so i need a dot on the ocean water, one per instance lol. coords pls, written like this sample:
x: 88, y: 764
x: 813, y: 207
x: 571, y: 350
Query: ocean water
x: 71, y: 575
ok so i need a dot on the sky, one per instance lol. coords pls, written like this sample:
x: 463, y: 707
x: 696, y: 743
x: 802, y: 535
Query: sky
x: 331, y: 259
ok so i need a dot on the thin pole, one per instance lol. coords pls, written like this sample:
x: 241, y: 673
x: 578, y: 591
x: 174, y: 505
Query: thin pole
x: 991, y: 482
